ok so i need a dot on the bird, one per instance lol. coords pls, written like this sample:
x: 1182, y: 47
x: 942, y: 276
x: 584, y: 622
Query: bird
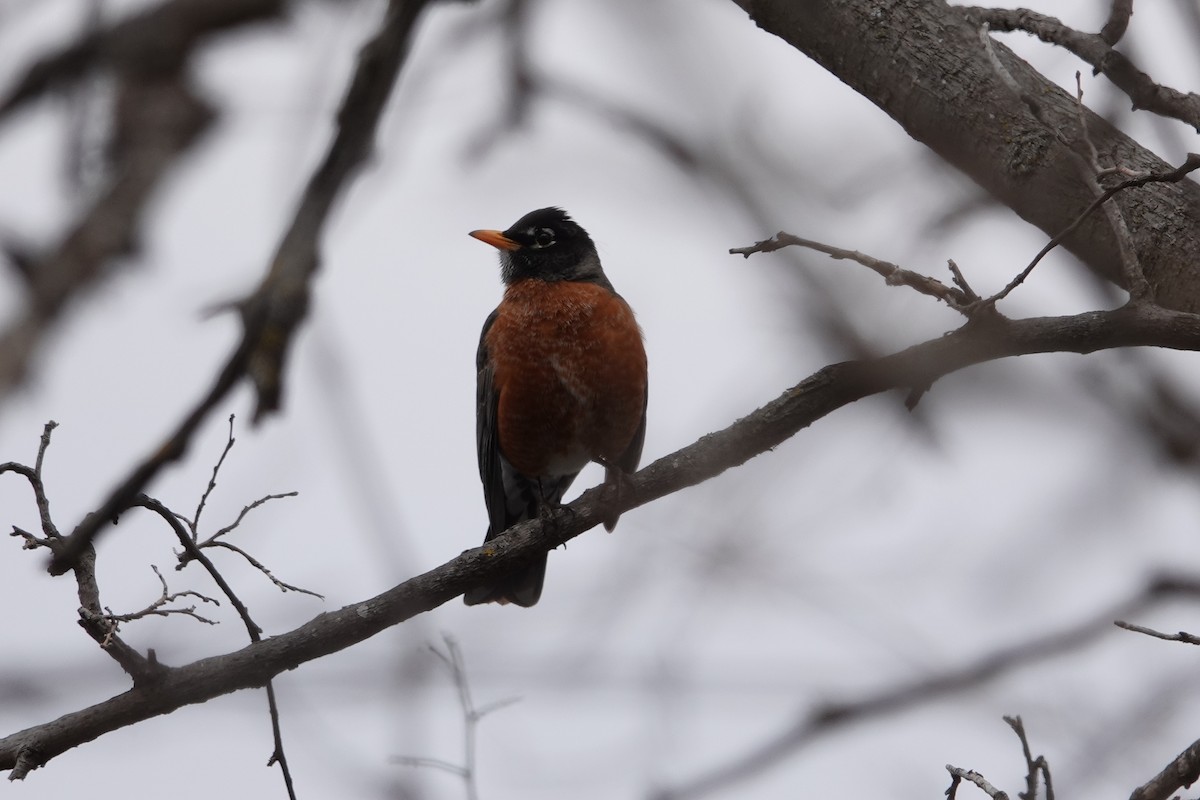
x: 561, y: 382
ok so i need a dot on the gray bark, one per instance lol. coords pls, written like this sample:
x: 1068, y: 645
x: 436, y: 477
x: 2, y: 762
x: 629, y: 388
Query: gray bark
x: 923, y: 64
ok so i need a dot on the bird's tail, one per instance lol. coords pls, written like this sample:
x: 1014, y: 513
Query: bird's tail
x: 522, y: 588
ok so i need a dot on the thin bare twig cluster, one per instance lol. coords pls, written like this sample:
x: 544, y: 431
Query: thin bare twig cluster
x: 1098, y: 50
x: 452, y: 659
x: 1184, y: 769
x: 150, y: 52
x: 103, y: 624
x: 217, y: 540
x: 812, y: 724
x: 1037, y: 772
x: 963, y: 299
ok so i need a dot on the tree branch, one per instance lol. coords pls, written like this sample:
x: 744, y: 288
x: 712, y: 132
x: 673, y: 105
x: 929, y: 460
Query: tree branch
x: 158, y: 39
x: 161, y: 608
x: 1118, y: 21
x: 958, y: 774
x: 95, y: 620
x: 1180, y: 636
x: 1190, y: 164
x: 1097, y: 50
x: 1183, y: 771
x: 918, y: 60
x: 157, y: 116
x: 893, y: 274
x: 271, y: 314
x: 817, y: 396
x: 824, y: 719
x: 1033, y: 766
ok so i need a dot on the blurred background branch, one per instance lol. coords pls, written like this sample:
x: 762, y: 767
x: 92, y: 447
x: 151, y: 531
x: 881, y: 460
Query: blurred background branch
x: 882, y: 547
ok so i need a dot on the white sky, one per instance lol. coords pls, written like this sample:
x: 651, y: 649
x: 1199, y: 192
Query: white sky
x: 866, y: 551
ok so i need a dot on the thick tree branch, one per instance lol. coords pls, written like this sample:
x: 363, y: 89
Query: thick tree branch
x: 922, y: 63
x: 156, y: 121
x: 1181, y: 773
x: 157, y: 40
x: 271, y: 315
x: 157, y: 116
x: 817, y: 396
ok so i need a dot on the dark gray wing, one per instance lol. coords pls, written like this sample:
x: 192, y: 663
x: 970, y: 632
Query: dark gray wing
x: 509, y: 496
x: 487, y: 438
x: 632, y: 456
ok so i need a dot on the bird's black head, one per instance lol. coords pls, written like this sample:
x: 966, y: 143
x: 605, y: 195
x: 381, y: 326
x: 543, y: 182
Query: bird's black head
x: 546, y: 245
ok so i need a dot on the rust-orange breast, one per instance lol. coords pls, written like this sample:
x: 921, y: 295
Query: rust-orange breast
x: 570, y: 371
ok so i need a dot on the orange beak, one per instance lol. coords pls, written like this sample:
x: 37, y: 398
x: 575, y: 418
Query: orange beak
x: 496, y: 239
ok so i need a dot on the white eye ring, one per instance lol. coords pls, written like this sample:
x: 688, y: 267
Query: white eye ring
x: 543, y: 237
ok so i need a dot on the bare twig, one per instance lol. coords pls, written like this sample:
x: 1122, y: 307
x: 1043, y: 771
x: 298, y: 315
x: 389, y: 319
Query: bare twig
x: 50, y: 532
x: 1033, y: 766
x: 434, y: 763
x: 1190, y: 164
x: 1010, y: 154
x: 957, y: 775
x: 1091, y: 169
x: 894, y: 275
x: 1180, y: 636
x: 272, y: 313
x: 1091, y: 155
x: 92, y: 616
x: 194, y: 522
x: 258, y: 565
x: 184, y: 556
x: 1118, y: 20
x: 823, y: 720
x: 159, y: 607
x: 193, y: 550
x: 1007, y: 78
x: 452, y: 658
x: 961, y: 282
x: 242, y: 515
x: 1092, y: 172
x: 1097, y: 50
x: 96, y: 621
x: 185, y: 539
x: 278, y: 754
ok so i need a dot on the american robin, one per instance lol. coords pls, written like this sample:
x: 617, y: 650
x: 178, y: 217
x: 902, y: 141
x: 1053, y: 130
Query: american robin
x: 562, y: 381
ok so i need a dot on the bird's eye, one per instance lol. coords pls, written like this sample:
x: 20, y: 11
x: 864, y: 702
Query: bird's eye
x: 543, y: 237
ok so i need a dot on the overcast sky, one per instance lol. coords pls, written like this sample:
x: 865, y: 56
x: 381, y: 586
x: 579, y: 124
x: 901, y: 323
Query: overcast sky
x: 875, y: 548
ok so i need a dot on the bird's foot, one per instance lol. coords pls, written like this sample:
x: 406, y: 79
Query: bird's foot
x: 547, y: 512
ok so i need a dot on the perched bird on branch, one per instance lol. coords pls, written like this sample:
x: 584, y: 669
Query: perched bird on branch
x: 562, y: 381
